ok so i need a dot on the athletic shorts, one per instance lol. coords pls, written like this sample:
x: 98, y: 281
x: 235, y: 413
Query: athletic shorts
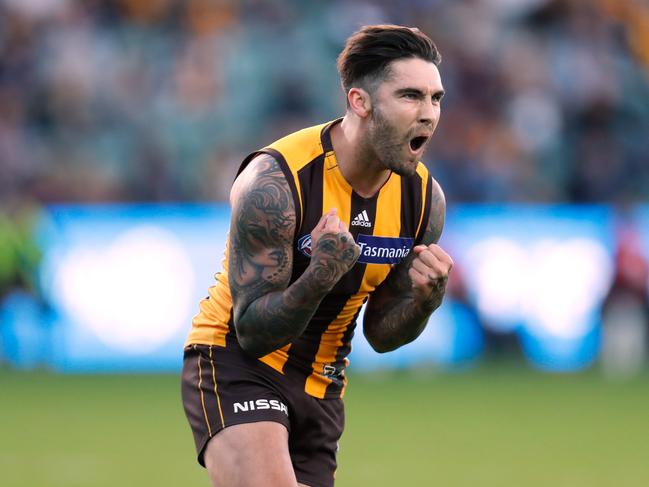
x: 223, y: 386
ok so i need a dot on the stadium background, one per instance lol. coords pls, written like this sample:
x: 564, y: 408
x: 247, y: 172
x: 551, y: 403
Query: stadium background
x: 121, y: 126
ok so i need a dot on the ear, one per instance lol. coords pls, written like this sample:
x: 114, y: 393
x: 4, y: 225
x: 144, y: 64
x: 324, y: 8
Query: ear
x: 359, y: 102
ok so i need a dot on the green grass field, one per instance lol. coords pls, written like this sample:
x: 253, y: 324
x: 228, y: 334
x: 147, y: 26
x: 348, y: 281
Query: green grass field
x: 492, y: 426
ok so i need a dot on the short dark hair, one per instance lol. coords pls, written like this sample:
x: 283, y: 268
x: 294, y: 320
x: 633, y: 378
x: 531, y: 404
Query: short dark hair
x: 369, y: 51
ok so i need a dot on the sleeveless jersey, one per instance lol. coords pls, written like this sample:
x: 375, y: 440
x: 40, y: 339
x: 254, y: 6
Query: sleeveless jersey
x: 385, y: 226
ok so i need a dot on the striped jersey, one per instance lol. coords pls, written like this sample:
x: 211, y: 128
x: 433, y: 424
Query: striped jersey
x: 386, y: 226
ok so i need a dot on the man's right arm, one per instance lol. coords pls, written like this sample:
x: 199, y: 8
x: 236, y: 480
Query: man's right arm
x: 268, y: 313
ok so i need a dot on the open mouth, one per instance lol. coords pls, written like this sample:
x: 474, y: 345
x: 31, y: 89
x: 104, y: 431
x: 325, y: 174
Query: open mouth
x: 417, y: 142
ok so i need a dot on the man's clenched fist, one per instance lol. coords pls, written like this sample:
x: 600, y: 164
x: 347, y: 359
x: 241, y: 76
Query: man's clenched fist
x: 333, y: 250
x: 429, y: 272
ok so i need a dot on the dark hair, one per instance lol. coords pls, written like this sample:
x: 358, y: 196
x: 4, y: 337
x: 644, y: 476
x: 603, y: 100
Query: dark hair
x: 368, y: 53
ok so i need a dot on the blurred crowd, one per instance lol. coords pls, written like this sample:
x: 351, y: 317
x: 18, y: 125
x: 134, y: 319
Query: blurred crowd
x: 159, y: 100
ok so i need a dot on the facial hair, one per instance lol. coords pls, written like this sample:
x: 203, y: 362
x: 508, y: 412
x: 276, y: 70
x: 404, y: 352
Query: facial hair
x: 388, y: 145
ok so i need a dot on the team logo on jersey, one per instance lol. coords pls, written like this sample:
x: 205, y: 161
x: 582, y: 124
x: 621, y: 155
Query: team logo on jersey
x: 361, y: 220
x: 304, y: 244
x: 374, y: 249
x: 383, y: 250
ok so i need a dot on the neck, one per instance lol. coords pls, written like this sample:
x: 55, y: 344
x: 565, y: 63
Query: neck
x: 356, y: 160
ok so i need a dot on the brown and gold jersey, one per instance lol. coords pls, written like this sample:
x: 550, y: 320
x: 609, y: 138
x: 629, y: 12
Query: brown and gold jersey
x: 385, y: 226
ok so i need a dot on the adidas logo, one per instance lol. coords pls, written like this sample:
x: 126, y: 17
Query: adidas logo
x: 361, y: 220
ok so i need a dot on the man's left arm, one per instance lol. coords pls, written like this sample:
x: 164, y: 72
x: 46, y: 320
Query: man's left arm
x: 398, y: 310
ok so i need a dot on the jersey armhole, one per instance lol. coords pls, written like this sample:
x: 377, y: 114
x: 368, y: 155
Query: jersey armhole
x: 426, y: 211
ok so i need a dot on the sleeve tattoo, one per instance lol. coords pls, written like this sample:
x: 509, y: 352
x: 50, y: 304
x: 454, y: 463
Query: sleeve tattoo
x: 392, y: 317
x: 267, y: 312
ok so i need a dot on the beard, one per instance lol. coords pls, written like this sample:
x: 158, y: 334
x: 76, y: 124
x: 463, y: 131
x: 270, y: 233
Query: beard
x: 388, y: 145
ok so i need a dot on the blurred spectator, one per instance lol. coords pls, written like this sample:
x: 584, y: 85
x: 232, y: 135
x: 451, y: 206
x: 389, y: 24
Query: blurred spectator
x: 21, y: 302
x: 625, y: 311
x: 19, y: 252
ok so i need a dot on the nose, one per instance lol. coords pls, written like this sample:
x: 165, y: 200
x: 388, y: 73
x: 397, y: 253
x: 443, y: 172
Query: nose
x: 429, y: 113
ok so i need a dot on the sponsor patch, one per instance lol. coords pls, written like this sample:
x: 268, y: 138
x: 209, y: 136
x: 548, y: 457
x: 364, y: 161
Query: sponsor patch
x: 260, y: 404
x: 383, y: 250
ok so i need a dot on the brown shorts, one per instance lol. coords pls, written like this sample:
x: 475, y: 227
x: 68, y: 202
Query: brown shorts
x: 222, y: 386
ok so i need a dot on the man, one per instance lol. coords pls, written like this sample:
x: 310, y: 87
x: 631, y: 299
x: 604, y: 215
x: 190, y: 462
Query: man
x: 322, y: 221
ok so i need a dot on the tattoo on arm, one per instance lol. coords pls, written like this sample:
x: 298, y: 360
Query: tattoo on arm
x: 268, y: 313
x: 392, y: 317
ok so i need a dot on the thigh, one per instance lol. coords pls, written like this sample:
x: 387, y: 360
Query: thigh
x: 260, y: 416
x: 313, y: 441
x: 250, y: 455
x: 222, y: 388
